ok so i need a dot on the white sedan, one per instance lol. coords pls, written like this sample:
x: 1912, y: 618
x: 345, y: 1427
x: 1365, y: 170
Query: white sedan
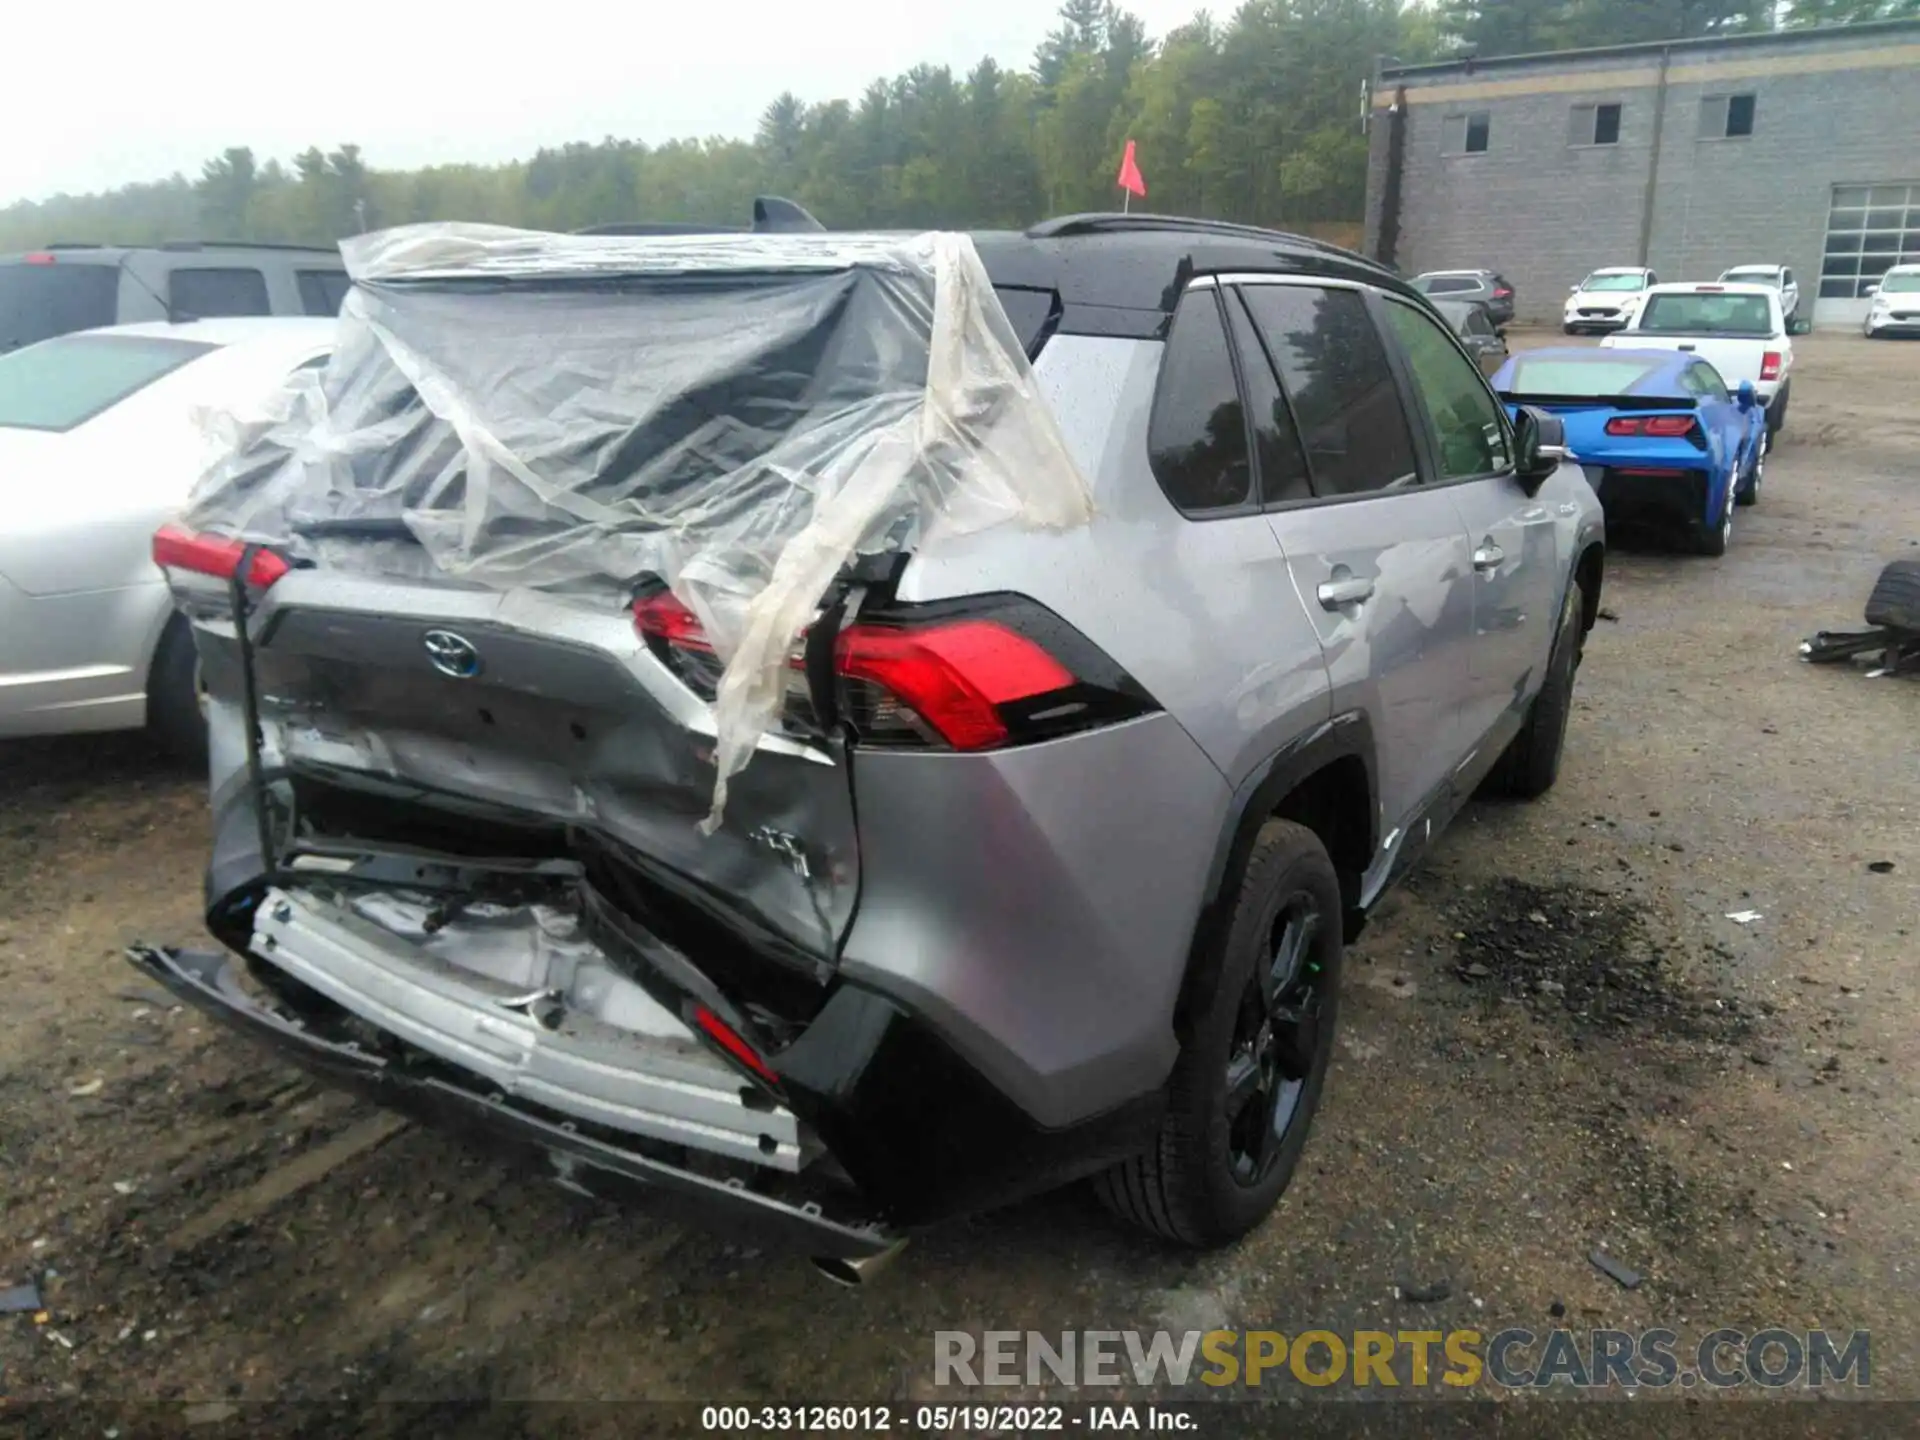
x: 100, y: 443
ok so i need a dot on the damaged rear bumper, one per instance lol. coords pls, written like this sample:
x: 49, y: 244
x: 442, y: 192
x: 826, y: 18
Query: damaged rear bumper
x: 581, y: 1162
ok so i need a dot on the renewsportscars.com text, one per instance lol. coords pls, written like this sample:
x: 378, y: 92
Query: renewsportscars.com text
x: 1512, y: 1359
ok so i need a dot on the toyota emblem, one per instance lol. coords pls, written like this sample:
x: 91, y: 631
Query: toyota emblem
x: 452, y: 655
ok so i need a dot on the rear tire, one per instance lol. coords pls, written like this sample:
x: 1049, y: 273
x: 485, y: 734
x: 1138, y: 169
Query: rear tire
x: 1531, y: 763
x: 1712, y: 541
x: 1249, y: 1075
x: 173, y: 696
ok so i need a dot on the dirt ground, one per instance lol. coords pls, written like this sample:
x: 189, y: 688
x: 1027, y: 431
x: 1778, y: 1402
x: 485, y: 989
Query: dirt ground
x: 1553, y: 1040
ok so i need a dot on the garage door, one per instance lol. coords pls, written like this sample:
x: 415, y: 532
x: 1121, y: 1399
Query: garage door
x: 1869, y: 228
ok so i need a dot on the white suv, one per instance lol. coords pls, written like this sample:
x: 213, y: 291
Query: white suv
x: 1608, y: 299
x: 1896, y: 304
x: 1777, y: 277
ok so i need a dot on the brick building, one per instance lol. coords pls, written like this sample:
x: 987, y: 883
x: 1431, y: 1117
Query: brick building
x: 1800, y: 148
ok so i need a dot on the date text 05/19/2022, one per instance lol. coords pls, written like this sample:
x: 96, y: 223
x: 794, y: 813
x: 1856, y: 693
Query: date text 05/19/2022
x: 943, y: 1419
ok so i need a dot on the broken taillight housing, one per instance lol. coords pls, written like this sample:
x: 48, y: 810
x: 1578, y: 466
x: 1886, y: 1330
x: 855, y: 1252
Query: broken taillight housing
x: 176, y: 548
x: 992, y: 672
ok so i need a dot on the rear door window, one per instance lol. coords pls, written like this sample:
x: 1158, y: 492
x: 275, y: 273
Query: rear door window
x: 1197, y: 436
x: 1334, y: 368
x: 66, y: 381
x: 204, y: 294
x: 322, y: 292
x: 1031, y: 311
x: 43, y: 298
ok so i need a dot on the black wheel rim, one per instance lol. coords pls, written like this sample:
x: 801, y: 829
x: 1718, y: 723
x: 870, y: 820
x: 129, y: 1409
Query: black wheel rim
x: 1276, y: 1038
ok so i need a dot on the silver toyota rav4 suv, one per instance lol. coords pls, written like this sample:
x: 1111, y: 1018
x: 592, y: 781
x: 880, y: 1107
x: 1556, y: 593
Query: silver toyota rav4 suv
x: 1046, y: 869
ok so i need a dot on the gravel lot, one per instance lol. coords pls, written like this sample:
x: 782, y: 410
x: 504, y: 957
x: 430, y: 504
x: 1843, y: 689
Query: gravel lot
x: 1733, y: 1110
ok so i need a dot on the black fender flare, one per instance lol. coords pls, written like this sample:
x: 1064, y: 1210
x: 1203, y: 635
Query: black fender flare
x: 1345, y: 736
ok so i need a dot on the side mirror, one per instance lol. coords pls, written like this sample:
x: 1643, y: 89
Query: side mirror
x: 1745, y: 396
x: 1573, y: 289
x: 1873, y: 290
x: 1540, y: 444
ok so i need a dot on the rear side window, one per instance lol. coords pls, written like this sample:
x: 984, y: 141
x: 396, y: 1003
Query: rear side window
x: 1334, y: 367
x: 322, y: 292
x: 1450, y: 285
x: 1031, y: 312
x: 39, y: 300
x: 67, y: 381
x: 1197, y: 437
x: 208, y: 294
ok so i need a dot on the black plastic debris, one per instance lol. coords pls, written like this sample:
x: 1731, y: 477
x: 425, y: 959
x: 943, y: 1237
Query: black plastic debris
x: 1615, y: 1271
x: 1426, y: 1294
x: 1880, y: 867
x: 20, y: 1299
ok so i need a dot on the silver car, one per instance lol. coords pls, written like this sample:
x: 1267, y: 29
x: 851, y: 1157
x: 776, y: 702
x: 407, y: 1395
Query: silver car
x: 1044, y: 866
x: 100, y: 443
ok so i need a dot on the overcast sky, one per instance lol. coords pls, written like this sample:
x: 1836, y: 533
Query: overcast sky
x: 100, y: 94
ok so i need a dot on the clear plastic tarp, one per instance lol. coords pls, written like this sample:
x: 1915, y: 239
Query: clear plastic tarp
x: 739, y: 415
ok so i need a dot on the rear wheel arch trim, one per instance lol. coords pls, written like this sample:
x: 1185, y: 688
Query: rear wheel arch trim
x: 1345, y: 737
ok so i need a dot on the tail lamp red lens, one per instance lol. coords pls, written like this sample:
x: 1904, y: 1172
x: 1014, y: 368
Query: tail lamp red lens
x: 175, y: 548
x: 1770, y: 365
x: 957, y: 681
x: 1659, y: 427
x: 729, y: 1040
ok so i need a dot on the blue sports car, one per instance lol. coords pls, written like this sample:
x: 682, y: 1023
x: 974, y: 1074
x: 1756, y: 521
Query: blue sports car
x: 1664, y: 443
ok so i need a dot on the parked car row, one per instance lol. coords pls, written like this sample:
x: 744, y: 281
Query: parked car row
x: 439, y: 816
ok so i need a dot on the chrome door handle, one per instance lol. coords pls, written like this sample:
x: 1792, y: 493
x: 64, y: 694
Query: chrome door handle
x: 1488, y: 557
x: 1349, y: 591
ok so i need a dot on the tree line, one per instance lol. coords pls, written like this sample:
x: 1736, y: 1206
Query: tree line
x: 1256, y: 118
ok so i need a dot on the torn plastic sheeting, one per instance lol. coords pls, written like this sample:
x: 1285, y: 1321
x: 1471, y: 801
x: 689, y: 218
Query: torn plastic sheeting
x: 740, y: 415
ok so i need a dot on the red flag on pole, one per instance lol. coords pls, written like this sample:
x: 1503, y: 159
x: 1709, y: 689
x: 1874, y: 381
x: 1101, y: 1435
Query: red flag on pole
x: 1129, y: 179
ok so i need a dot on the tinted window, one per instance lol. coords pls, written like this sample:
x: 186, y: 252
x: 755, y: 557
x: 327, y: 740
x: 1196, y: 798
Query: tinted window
x: 63, y: 382
x: 1197, y: 437
x: 1283, y: 465
x: 1334, y: 368
x: 1606, y: 124
x: 1468, y: 431
x: 1029, y: 310
x: 1448, y: 284
x: 38, y: 302
x: 1739, y: 115
x: 1478, y: 128
x: 205, y: 294
x: 322, y: 292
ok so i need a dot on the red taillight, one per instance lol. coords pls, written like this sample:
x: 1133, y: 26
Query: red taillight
x: 728, y: 1039
x: 961, y: 682
x: 178, y: 549
x: 1660, y: 427
x: 41, y: 257
x: 1502, y: 293
x: 1770, y: 365
x: 953, y: 675
x: 662, y: 615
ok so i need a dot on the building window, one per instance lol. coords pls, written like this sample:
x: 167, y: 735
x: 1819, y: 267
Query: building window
x: 1726, y: 117
x: 1595, y: 125
x: 1478, y: 128
x: 1870, y: 229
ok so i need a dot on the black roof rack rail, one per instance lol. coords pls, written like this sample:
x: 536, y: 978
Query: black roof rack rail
x: 73, y: 245
x: 1119, y: 222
